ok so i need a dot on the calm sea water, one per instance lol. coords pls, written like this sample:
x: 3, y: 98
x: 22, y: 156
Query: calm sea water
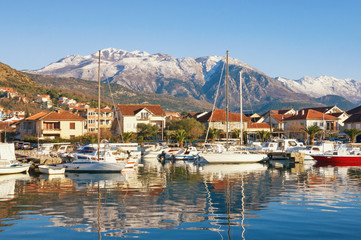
x: 183, y: 201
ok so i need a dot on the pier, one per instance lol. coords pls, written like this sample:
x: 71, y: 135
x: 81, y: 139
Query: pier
x: 295, y: 157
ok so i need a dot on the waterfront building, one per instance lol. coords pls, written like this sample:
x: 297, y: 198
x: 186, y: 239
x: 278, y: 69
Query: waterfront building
x: 217, y: 120
x: 55, y: 124
x: 91, y: 116
x: 128, y: 116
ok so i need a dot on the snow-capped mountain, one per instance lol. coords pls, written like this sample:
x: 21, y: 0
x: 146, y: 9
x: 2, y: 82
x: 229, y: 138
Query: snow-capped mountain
x: 180, y: 77
x: 321, y: 86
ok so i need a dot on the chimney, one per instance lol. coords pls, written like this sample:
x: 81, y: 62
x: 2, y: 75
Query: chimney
x: 303, y: 112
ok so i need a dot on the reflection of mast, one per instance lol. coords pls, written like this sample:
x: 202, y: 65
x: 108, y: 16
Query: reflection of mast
x: 228, y: 209
x: 211, y: 208
x: 243, y: 197
x: 99, y: 220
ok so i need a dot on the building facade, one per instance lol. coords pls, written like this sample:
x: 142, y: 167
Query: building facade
x: 58, y: 124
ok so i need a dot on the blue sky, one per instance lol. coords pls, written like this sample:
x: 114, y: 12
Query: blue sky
x: 288, y: 38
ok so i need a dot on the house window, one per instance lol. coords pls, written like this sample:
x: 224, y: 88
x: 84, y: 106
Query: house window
x: 72, y: 125
x: 315, y: 124
x: 51, y: 125
x: 144, y: 115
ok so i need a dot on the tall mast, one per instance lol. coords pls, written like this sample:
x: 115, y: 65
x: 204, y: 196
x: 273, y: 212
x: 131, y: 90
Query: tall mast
x: 227, y: 101
x: 241, y: 106
x: 99, y: 107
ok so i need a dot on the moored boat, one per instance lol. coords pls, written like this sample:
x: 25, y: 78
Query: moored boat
x: 8, y: 163
x: 345, y: 153
x: 51, y: 170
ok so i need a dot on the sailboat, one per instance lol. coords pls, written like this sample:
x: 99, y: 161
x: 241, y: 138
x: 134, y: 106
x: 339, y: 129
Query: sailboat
x: 97, y: 159
x: 8, y: 163
x: 233, y: 156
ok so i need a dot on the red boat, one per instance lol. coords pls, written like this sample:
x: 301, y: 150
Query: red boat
x: 337, y: 158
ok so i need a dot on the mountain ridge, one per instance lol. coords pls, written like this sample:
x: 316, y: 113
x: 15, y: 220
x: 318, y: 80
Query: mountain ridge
x: 321, y: 86
x: 179, y: 77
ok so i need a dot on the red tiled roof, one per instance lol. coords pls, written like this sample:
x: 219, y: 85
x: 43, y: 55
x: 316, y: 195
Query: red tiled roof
x: 311, y: 114
x: 131, y: 110
x: 219, y: 115
x: 279, y: 117
x: 36, y: 116
x: 172, y: 113
x: 258, y: 125
x: 61, y: 115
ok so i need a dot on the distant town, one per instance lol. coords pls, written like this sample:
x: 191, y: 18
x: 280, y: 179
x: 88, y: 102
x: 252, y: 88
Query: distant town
x: 69, y: 119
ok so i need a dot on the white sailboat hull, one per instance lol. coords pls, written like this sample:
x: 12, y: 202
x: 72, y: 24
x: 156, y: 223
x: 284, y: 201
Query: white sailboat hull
x: 233, y: 157
x: 18, y: 168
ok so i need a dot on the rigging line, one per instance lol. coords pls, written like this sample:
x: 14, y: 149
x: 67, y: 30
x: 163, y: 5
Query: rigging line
x: 214, y: 103
x: 115, y: 108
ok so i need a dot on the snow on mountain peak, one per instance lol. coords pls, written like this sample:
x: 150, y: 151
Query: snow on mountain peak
x: 325, y: 85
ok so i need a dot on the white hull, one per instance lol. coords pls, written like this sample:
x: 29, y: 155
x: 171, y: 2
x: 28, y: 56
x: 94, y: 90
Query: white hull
x: 231, y: 169
x: 51, y: 170
x: 94, y: 166
x: 11, y: 169
x: 233, y: 157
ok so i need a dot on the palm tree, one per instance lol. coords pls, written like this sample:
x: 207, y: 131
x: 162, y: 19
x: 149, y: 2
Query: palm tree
x: 180, y: 135
x: 312, y: 131
x: 352, y: 133
x: 128, y: 136
x: 214, y: 133
x: 263, y: 135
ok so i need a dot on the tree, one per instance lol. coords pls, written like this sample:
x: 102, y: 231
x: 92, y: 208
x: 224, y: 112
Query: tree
x: 263, y: 135
x: 352, y: 133
x: 311, y: 132
x: 214, y: 133
x: 128, y: 136
x: 191, y: 126
x: 180, y: 135
x: 147, y: 131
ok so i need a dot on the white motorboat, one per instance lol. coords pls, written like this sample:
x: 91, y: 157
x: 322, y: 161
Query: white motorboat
x: 241, y: 156
x: 87, y: 160
x: 51, y: 170
x: 8, y: 163
x: 189, y: 153
x: 319, y: 149
x: 216, y: 153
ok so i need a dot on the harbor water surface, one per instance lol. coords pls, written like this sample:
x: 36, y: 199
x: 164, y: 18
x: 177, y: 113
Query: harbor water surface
x: 186, y: 201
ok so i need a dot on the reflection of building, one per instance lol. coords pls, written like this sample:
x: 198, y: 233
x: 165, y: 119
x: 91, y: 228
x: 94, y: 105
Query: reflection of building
x: 213, y: 198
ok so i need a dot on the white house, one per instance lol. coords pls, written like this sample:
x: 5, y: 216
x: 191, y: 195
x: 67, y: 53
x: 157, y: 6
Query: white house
x: 310, y: 117
x: 128, y: 116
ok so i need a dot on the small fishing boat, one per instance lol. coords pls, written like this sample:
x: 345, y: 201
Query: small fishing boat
x: 51, y: 170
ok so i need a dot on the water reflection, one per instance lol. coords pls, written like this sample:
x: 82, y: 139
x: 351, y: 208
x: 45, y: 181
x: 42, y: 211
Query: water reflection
x: 220, y: 201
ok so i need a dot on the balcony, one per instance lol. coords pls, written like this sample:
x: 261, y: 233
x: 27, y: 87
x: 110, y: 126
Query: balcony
x: 51, y: 131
